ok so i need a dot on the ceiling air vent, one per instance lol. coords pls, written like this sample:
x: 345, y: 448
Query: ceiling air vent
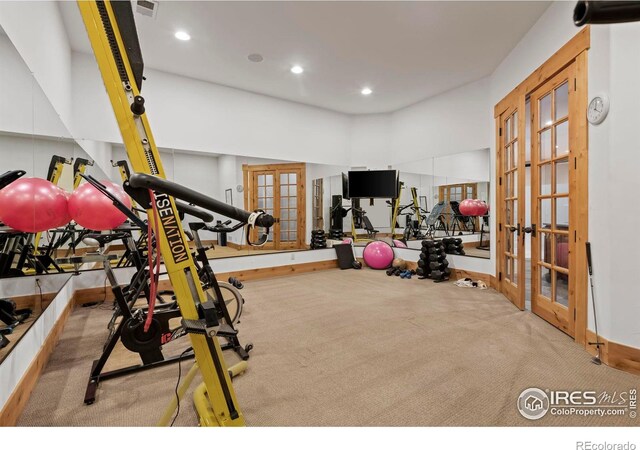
x: 147, y: 7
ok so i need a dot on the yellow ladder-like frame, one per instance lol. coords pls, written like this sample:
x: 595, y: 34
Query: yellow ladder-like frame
x: 143, y: 154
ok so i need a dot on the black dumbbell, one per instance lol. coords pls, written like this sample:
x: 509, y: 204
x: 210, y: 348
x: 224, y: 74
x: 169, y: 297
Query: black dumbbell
x: 235, y: 283
x: 438, y: 257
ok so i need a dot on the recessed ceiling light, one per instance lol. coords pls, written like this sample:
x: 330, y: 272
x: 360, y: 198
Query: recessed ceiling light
x: 182, y: 35
x: 366, y: 91
x: 255, y: 57
x: 297, y: 69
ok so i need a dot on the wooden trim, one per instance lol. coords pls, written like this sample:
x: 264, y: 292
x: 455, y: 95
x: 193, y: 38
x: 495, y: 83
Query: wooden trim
x: 33, y: 301
x: 580, y: 210
x: 615, y: 355
x: 558, y: 61
x: 283, y: 166
x: 234, y: 245
x: 92, y: 295
x: 20, y: 396
x: 488, y: 279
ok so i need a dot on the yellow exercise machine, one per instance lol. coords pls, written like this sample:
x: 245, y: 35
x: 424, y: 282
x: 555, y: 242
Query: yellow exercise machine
x: 111, y: 29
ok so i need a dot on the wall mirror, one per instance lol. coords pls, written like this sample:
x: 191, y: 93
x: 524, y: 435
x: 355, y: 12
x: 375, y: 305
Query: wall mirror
x: 22, y: 302
x: 433, y: 190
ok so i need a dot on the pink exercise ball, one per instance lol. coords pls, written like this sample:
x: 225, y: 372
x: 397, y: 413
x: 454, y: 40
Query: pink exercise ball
x: 378, y: 255
x: 468, y: 207
x: 483, y: 208
x: 91, y: 209
x: 399, y: 243
x: 33, y: 205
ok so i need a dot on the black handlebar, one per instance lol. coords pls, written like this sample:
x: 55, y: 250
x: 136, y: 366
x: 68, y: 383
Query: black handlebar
x: 193, y: 211
x: 10, y: 176
x: 145, y: 181
x: 602, y: 12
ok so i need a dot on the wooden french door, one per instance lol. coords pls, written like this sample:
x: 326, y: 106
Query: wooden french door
x: 542, y: 129
x: 553, y: 174
x: 510, y: 144
x: 279, y: 190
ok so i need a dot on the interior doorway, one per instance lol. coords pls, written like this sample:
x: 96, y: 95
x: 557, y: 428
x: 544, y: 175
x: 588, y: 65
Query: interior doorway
x: 279, y: 190
x: 541, y: 142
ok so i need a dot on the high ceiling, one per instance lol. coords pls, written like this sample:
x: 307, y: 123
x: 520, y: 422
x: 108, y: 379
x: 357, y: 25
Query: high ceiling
x: 403, y: 51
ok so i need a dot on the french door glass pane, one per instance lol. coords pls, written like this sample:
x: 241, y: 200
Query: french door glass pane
x: 507, y: 159
x: 545, y: 282
x: 545, y: 213
x: 514, y: 160
x: 545, y: 179
x: 260, y: 180
x: 562, y: 212
x: 562, y: 289
x: 545, y: 111
x: 562, y: 100
x: 562, y: 139
x: 545, y: 145
x: 507, y: 129
x: 284, y: 178
x: 546, y: 243
x: 515, y: 124
x: 562, y: 176
x: 561, y: 257
x: 269, y: 180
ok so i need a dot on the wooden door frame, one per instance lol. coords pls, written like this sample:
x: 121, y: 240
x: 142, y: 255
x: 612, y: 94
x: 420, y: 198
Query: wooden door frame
x: 519, y: 291
x: 248, y: 169
x: 573, y: 51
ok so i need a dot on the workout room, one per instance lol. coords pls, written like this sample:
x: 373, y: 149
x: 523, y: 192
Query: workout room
x: 321, y: 214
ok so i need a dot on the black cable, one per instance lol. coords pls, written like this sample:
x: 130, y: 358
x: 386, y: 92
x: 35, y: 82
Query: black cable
x: 40, y: 289
x: 187, y: 350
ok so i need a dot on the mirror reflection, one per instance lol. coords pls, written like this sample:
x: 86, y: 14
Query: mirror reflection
x: 21, y: 304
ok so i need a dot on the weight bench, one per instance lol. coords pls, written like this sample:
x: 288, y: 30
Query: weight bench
x: 368, y: 227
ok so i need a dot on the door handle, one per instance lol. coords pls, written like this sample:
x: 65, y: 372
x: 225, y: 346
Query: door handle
x: 516, y: 228
x: 531, y: 229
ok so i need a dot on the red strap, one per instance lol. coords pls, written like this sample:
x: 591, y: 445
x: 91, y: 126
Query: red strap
x: 152, y: 274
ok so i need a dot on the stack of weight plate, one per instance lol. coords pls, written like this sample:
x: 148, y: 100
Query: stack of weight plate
x: 318, y: 239
x: 433, y: 262
x: 453, y: 246
x: 338, y: 235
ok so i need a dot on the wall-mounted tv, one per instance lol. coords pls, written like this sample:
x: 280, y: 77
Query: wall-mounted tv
x: 373, y: 183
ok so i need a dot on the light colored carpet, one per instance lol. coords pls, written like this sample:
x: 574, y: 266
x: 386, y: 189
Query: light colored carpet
x: 354, y: 348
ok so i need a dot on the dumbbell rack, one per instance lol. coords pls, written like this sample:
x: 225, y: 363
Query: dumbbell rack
x: 433, y: 262
x: 318, y: 239
x: 453, y: 246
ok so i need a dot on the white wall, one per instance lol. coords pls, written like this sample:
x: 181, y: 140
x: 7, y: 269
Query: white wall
x: 38, y: 33
x: 370, y: 141
x: 433, y: 127
x: 616, y: 286
x: 200, y: 116
x: 24, y: 108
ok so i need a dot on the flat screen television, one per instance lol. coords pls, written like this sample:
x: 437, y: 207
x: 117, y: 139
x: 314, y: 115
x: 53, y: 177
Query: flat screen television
x: 373, y: 183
